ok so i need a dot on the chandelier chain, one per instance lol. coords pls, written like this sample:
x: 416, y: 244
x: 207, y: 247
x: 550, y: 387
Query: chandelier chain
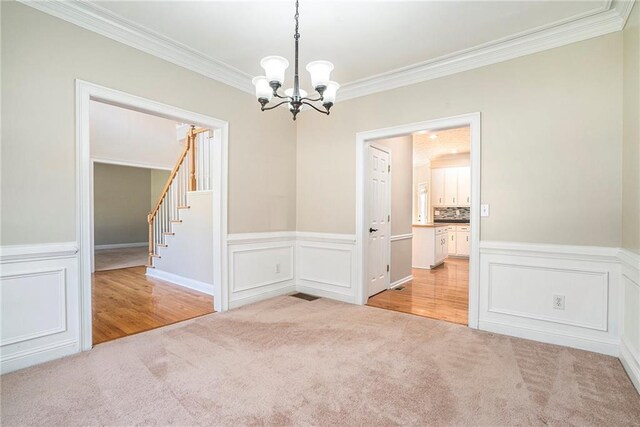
x: 297, y: 16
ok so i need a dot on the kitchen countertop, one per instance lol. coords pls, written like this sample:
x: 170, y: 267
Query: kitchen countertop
x: 441, y: 224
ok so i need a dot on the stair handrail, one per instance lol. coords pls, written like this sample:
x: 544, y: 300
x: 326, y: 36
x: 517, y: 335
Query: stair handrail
x: 189, y: 148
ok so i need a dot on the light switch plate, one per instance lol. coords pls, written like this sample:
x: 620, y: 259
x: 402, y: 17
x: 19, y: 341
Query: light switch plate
x: 484, y: 210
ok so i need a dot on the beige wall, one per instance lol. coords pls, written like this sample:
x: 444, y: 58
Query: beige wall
x: 631, y: 134
x: 158, y: 180
x: 401, y: 202
x: 130, y: 136
x: 401, y: 181
x: 120, y: 204
x: 551, y: 144
x: 41, y: 58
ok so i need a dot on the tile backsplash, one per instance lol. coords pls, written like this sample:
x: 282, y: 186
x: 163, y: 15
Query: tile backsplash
x: 452, y: 213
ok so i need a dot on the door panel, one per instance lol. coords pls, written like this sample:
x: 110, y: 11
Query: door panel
x: 378, y: 220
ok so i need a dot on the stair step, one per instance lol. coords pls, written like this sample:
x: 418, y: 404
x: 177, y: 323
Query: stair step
x: 150, y: 266
x: 184, y: 207
x: 169, y: 233
x: 163, y: 245
x: 175, y: 220
x: 155, y: 256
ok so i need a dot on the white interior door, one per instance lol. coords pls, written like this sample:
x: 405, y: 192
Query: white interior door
x: 378, y: 210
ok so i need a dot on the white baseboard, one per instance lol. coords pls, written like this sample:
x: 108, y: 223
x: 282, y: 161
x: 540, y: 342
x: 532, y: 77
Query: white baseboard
x: 401, y: 281
x: 323, y: 293
x: 121, y: 245
x: 287, y: 288
x: 205, y: 288
x: 602, y: 346
x: 38, y: 355
x: 630, y: 363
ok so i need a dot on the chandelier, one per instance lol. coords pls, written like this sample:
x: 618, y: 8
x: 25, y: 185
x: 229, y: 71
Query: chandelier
x: 274, y: 68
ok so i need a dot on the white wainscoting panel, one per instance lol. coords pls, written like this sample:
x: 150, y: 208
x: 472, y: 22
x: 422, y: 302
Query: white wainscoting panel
x: 630, y: 336
x: 261, y: 265
x: 518, y: 283
x: 326, y: 265
x: 39, y: 304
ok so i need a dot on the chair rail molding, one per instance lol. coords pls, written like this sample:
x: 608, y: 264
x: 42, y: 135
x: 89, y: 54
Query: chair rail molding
x: 611, y: 17
x: 401, y: 237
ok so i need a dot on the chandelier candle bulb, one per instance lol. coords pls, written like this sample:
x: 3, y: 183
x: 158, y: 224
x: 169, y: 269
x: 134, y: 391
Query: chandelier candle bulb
x: 263, y: 90
x: 274, y: 68
x: 320, y: 73
x: 329, y: 96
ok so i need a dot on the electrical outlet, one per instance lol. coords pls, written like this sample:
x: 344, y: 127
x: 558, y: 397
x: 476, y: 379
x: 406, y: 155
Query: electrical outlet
x: 558, y: 302
x: 277, y: 268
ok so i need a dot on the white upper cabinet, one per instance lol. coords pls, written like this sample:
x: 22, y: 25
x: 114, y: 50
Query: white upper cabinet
x: 437, y: 187
x: 464, y: 186
x: 451, y: 186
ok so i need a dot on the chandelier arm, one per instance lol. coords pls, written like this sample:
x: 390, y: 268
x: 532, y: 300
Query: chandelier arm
x: 277, y: 95
x: 312, y: 100
x: 274, y: 106
x: 316, y: 108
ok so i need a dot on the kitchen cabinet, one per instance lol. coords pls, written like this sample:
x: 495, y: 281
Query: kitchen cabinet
x: 451, y: 186
x: 437, y: 187
x: 462, y: 243
x: 451, y: 231
x: 464, y: 186
x: 429, y: 245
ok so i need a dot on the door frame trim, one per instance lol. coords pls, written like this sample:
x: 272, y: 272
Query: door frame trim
x: 86, y: 92
x: 473, y: 120
x: 388, y: 202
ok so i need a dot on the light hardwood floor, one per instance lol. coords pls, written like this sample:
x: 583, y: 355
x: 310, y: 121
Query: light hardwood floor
x: 126, y: 302
x: 112, y: 259
x: 440, y: 293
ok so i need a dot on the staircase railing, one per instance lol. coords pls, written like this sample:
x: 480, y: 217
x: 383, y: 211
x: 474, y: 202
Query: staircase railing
x: 190, y: 173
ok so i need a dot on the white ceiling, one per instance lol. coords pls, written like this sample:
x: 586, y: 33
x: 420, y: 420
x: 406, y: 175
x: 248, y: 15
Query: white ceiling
x: 428, y: 146
x: 362, y: 38
x: 375, y: 45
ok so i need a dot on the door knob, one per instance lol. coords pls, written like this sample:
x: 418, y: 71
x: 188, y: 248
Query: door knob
x: 372, y: 230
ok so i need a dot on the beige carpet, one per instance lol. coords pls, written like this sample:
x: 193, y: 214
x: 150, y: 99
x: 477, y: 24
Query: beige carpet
x: 288, y: 361
x: 112, y: 259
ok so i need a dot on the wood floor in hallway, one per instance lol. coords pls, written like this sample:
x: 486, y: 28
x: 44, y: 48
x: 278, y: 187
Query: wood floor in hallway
x: 126, y: 302
x: 441, y: 293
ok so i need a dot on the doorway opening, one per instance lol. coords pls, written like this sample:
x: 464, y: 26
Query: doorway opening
x: 418, y: 218
x: 152, y: 213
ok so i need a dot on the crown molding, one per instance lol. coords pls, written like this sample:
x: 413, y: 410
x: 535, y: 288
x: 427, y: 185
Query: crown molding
x: 624, y: 7
x: 104, y: 22
x: 610, y: 18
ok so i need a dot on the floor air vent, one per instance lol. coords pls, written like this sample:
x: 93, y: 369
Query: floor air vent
x: 305, y: 296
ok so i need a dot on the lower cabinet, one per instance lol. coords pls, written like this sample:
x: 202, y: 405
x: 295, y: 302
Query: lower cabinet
x: 462, y: 243
x: 459, y: 237
x: 451, y: 230
x: 430, y: 246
